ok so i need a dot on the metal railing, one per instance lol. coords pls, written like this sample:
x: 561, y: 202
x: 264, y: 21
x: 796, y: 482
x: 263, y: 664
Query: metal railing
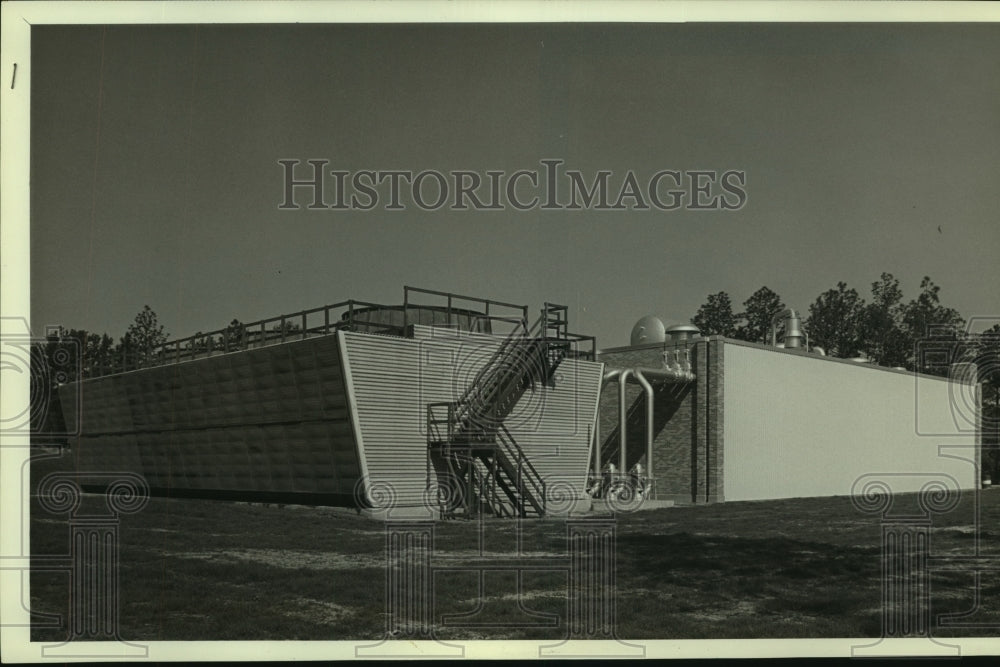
x: 525, y: 470
x: 450, y: 306
x: 323, y: 321
x: 304, y: 324
x: 546, y: 323
x: 501, y: 454
x: 481, y: 394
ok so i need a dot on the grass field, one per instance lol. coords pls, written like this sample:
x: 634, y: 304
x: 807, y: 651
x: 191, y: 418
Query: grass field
x: 214, y: 570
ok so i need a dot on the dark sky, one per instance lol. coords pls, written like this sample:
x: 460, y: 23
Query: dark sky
x: 155, y: 177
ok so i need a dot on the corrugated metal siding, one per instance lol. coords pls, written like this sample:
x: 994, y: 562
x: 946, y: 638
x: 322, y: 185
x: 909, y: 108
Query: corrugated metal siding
x: 554, y: 425
x: 798, y: 426
x: 394, y: 379
x: 270, y: 419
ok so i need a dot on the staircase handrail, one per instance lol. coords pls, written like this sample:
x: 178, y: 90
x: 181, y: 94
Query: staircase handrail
x: 476, y: 387
x: 508, y: 444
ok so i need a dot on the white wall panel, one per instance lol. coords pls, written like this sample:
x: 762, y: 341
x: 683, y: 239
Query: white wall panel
x: 798, y: 426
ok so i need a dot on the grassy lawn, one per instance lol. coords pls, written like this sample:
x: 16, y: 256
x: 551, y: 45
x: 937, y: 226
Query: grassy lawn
x: 215, y: 570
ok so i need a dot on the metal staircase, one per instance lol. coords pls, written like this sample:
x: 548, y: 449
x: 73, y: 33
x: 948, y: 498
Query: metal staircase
x: 469, y: 444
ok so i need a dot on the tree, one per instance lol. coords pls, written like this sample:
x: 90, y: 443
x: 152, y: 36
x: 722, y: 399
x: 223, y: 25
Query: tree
x: 883, y: 338
x: 98, y: 353
x: 145, y: 332
x: 715, y: 317
x: 834, y: 321
x: 761, y: 308
x: 924, y: 319
x: 142, y: 338
x: 234, y: 336
x: 988, y: 364
x: 288, y: 329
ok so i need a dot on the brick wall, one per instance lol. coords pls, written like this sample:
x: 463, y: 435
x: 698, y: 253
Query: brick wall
x: 687, y: 422
x: 710, y: 362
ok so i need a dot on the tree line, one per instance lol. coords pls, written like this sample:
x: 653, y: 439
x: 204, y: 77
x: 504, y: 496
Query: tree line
x: 886, y: 330
x: 68, y: 355
x: 144, y: 343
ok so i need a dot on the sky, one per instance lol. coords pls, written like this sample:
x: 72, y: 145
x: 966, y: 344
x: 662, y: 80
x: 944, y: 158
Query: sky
x: 867, y: 148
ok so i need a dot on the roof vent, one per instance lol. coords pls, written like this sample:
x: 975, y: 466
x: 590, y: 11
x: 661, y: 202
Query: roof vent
x: 648, y: 329
x: 682, y: 332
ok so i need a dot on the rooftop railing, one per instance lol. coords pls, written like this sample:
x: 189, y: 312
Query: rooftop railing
x: 321, y: 321
x: 350, y: 315
x: 508, y: 312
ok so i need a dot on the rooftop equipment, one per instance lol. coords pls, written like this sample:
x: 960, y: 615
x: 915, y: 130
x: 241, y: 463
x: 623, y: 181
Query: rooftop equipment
x: 386, y: 319
x: 794, y: 336
x: 648, y: 329
x: 682, y: 332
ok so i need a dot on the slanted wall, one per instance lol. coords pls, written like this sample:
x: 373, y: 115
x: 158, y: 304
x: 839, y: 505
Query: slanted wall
x: 271, y: 420
x: 393, y: 379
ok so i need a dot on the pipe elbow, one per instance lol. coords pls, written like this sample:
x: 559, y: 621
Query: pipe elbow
x: 641, y: 379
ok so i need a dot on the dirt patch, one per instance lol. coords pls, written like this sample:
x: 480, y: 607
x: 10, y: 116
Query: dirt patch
x: 473, y: 554
x: 626, y: 593
x: 523, y: 596
x: 316, y: 611
x: 740, y: 608
x: 288, y: 559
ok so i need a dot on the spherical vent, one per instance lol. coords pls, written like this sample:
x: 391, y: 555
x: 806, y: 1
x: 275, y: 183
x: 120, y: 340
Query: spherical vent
x: 648, y: 329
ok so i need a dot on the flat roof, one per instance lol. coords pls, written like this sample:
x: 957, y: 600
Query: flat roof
x: 781, y: 350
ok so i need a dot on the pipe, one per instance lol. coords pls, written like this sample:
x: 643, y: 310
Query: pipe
x: 610, y: 376
x: 622, y: 417
x: 675, y: 365
x: 642, y: 377
x: 793, y: 329
x: 664, y: 374
x: 774, y: 326
x: 638, y: 373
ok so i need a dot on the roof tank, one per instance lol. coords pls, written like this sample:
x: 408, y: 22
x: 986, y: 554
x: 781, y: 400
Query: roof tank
x: 389, y: 319
x: 648, y: 329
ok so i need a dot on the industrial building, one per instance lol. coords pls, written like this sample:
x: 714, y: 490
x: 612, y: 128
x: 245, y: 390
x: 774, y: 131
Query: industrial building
x: 749, y: 421
x: 454, y: 405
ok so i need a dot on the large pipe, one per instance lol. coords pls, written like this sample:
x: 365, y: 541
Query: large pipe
x: 609, y: 377
x: 678, y: 374
x: 622, y: 418
x: 642, y: 376
x: 638, y: 373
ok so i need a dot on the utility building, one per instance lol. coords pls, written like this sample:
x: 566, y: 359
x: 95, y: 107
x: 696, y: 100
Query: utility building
x: 457, y: 406
x: 734, y: 420
x: 453, y: 406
